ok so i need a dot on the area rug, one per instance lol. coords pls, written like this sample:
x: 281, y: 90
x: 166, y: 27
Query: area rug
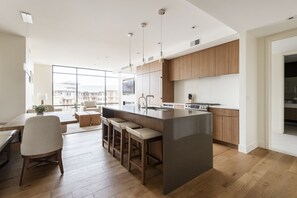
x: 75, y: 128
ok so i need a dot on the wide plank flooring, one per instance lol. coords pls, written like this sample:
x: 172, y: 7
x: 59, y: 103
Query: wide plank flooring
x: 90, y: 171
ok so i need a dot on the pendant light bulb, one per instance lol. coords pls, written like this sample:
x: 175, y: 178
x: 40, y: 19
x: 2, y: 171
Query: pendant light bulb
x: 161, y: 13
x: 143, y: 25
x: 130, y: 37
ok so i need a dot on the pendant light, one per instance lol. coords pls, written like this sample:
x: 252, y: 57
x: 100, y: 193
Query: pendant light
x: 130, y: 37
x: 161, y: 13
x: 143, y: 25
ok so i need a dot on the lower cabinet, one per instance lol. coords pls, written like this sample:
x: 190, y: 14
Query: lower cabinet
x: 225, y: 125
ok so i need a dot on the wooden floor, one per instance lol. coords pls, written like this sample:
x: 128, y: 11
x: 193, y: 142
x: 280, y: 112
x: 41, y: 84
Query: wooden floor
x: 91, y: 172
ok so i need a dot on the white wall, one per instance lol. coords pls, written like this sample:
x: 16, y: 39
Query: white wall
x: 248, y: 103
x: 277, y: 93
x: 43, y: 82
x: 12, y: 76
x: 262, y: 90
x: 219, y: 89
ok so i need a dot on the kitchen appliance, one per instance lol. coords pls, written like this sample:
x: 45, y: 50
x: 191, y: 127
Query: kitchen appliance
x: 199, y: 106
x: 190, y: 98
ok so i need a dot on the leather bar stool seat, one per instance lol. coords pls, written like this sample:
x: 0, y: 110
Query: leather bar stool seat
x: 144, y: 137
x: 119, y: 137
x: 107, y: 129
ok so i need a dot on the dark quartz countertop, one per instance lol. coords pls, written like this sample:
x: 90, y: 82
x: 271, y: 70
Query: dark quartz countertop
x: 163, y: 114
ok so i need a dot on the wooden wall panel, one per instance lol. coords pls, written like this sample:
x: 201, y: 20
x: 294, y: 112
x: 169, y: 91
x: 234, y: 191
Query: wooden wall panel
x: 233, y: 57
x: 174, y: 69
x: 222, y: 59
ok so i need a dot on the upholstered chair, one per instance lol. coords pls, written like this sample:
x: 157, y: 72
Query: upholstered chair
x: 42, y: 138
x: 91, y: 106
x: 49, y: 108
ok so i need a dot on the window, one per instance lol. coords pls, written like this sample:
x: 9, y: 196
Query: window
x: 74, y: 85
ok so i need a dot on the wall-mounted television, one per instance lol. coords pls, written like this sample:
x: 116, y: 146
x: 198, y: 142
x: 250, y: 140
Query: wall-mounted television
x: 128, y: 86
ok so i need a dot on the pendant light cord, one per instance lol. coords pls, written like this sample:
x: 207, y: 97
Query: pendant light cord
x: 161, y: 42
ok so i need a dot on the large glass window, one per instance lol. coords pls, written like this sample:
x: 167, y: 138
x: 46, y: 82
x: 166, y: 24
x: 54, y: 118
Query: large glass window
x: 75, y: 85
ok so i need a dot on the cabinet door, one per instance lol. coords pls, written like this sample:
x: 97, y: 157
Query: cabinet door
x: 185, y: 67
x: 217, y: 127
x: 233, y: 57
x: 174, y: 69
x: 156, y: 88
x: 142, y: 86
x: 138, y: 86
x: 231, y: 129
x: 222, y: 61
x: 146, y: 84
x: 196, y: 64
x: 207, y: 62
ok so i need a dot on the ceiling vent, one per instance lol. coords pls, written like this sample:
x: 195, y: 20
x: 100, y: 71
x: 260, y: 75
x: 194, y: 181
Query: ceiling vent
x: 150, y: 58
x: 196, y: 42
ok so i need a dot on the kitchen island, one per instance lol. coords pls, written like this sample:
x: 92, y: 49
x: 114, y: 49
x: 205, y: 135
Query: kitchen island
x: 187, y: 140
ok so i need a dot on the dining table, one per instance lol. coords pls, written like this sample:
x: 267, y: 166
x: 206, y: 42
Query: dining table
x: 18, y: 123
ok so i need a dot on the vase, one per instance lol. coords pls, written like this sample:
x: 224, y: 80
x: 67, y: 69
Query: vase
x: 40, y: 113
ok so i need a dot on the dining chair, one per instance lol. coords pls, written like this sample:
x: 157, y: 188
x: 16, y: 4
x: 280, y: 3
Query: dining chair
x: 42, y: 139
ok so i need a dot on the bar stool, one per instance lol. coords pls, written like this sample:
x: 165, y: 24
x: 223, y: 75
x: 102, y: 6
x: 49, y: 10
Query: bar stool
x: 119, y: 132
x: 107, y: 129
x: 144, y: 136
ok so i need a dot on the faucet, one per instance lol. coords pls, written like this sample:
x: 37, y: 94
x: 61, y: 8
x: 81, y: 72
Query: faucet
x: 142, y: 96
x: 152, y: 96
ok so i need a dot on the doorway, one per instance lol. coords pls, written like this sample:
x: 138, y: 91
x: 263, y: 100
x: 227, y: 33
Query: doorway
x: 290, y: 94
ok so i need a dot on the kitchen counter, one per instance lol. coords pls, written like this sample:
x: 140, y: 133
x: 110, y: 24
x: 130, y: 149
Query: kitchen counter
x: 187, y: 140
x: 224, y: 107
x: 163, y: 114
x: 291, y: 105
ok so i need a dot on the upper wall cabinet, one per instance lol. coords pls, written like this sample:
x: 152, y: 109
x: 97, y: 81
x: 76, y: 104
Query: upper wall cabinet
x: 174, y: 69
x: 219, y: 60
x: 222, y: 61
x: 185, y: 67
x: 227, y: 58
x: 234, y: 57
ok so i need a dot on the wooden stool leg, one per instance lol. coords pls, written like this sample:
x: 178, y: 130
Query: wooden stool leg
x: 26, y: 161
x: 103, y: 131
x: 113, y: 141
x: 143, y: 161
x: 129, y: 151
x: 148, y: 151
x: 108, y: 138
x: 122, y: 146
x: 59, y: 158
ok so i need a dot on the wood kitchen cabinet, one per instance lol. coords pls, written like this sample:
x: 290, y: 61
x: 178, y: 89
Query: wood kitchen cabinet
x: 174, y: 69
x: 215, y: 61
x: 207, y: 62
x: 227, y: 58
x: 222, y: 62
x: 290, y: 114
x: 225, y: 125
x: 233, y: 55
x: 153, y: 79
x: 196, y: 64
x: 185, y: 67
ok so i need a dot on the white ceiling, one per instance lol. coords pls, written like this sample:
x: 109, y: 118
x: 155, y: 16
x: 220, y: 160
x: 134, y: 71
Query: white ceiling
x: 93, y: 33
x: 243, y: 15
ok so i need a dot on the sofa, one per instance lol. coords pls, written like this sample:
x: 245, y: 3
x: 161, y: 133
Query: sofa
x: 91, y: 106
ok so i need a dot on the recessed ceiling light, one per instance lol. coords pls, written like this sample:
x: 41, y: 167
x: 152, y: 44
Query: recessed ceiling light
x: 27, y: 17
x: 292, y: 17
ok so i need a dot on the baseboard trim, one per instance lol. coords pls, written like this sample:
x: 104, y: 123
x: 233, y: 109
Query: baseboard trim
x: 247, y: 149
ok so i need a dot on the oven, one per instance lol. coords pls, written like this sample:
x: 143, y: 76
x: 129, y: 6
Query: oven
x: 199, y: 106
